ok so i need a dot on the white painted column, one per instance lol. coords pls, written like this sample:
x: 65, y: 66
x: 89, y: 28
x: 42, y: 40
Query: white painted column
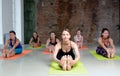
x: 18, y: 19
x: 1, y: 28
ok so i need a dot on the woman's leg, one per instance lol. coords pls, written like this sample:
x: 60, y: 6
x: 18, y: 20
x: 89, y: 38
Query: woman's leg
x: 112, y: 53
x: 108, y: 53
x: 10, y: 54
x: 36, y: 44
x: 63, y: 62
x: 69, y: 59
x: 4, y: 53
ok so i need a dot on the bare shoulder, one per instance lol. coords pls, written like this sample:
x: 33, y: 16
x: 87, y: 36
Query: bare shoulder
x: 48, y: 39
x: 17, y: 40
x: 110, y: 39
x: 99, y: 39
x: 75, y: 36
x: 57, y: 39
x: 73, y: 43
x: 8, y: 40
x: 58, y: 45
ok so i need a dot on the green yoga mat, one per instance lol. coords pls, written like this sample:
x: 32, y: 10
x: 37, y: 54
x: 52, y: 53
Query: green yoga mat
x: 78, y: 68
x: 100, y: 57
x: 42, y: 45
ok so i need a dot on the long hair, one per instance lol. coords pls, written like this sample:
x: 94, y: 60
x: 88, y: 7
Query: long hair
x: 103, y: 30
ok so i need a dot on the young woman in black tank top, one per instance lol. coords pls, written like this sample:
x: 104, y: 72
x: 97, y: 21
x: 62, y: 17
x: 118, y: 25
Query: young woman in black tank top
x: 51, y: 42
x: 66, y: 52
x: 35, y: 40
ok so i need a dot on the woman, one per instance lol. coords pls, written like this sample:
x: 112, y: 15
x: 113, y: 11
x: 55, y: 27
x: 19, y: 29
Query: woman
x: 15, y: 46
x: 51, y: 42
x: 78, y: 38
x: 106, y: 46
x: 66, y: 52
x: 35, y: 40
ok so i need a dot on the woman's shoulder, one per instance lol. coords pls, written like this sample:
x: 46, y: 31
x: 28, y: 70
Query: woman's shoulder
x: 58, y: 45
x: 17, y: 39
x: 99, y: 38
x: 75, y: 36
x: 110, y: 39
x: 73, y: 43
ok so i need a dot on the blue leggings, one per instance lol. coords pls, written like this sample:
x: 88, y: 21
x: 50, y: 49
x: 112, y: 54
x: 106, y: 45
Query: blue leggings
x: 18, y: 51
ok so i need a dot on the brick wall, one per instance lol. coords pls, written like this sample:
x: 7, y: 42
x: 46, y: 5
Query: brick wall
x: 88, y: 15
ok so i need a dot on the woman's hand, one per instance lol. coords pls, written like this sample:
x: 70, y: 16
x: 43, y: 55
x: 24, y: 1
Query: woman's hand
x: 11, y: 50
x: 73, y: 62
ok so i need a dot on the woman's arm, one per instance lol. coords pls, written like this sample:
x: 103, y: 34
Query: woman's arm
x: 77, y: 54
x: 38, y: 40
x: 75, y: 39
x: 81, y: 41
x: 30, y: 42
x: 111, y: 43
x: 57, y: 47
x: 15, y: 45
x: 6, y: 44
x: 101, y: 43
x: 47, y: 43
x: 57, y: 40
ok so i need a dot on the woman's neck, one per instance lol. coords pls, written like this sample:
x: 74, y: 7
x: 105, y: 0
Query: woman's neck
x: 104, y: 38
x: 66, y: 42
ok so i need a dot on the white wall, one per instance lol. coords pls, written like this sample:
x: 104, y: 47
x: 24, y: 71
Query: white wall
x: 7, y: 16
x: 11, y: 18
x: 1, y: 31
x: 18, y: 19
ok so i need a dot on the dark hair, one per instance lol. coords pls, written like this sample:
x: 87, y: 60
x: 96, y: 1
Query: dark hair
x: 35, y: 32
x: 12, y: 32
x: 66, y: 29
x: 103, y: 30
x: 52, y: 32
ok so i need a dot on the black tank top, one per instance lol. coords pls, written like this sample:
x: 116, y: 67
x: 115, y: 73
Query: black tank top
x: 35, y: 39
x: 54, y: 42
x: 62, y: 53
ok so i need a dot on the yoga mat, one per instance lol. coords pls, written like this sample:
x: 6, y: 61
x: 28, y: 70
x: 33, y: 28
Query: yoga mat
x: 30, y: 47
x: 78, y: 68
x: 25, y: 52
x: 83, y: 48
x: 100, y: 57
x: 46, y: 51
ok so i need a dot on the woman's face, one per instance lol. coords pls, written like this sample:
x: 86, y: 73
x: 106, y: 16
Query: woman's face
x: 34, y: 34
x: 105, y: 34
x: 52, y: 35
x: 78, y: 32
x: 66, y: 36
x: 12, y: 36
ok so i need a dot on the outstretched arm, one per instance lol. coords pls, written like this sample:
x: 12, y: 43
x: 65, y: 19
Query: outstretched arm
x: 77, y: 54
x: 112, y: 44
x: 6, y: 44
x: 30, y: 42
x: 57, y: 47
x: 15, y: 45
x: 47, y: 43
